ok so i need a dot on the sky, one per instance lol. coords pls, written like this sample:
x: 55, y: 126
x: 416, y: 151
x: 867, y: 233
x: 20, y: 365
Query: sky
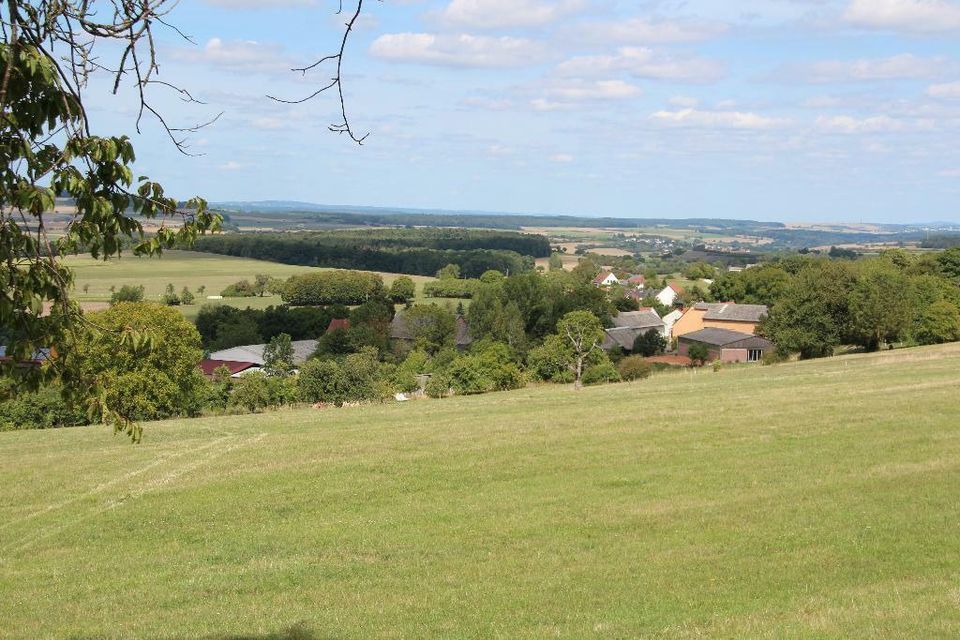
x: 789, y: 110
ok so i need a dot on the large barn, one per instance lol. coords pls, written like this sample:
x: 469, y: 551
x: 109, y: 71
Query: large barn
x: 727, y: 346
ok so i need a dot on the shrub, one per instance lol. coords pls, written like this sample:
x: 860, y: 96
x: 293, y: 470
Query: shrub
x: 699, y: 353
x: 634, y: 368
x: 773, y: 357
x: 322, y: 381
x: 169, y: 297
x: 438, y: 386
x: 251, y: 392
x: 469, y: 376
x: 127, y: 293
x: 450, y: 288
x: 44, y: 409
x: 601, y: 373
x: 241, y: 289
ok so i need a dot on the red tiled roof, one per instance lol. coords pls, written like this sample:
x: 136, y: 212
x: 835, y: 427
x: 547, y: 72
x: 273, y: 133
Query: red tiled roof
x: 603, y: 276
x: 637, y: 280
x: 209, y: 366
x: 339, y: 323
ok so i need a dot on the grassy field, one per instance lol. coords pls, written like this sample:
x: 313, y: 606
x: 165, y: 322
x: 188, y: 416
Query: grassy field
x: 190, y: 269
x: 810, y: 500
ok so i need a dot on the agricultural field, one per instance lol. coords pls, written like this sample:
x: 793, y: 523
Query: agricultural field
x: 185, y: 268
x: 808, y: 500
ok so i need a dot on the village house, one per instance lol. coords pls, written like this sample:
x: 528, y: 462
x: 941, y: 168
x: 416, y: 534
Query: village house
x: 342, y: 324
x: 726, y: 346
x: 637, y: 282
x: 669, y: 295
x: 744, y: 318
x: 605, y: 279
x: 670, y: 320
x: 630, y: 325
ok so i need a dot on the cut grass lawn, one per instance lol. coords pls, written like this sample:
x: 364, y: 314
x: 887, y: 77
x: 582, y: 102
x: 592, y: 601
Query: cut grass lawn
x: 810, y: 500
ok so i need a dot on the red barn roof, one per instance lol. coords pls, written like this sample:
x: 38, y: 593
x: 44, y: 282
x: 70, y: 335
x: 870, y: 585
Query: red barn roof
x: 209, y: 366
x: 339, y: 323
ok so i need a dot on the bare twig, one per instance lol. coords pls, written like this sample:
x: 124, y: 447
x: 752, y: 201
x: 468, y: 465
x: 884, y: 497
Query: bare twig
x: 344, y: 125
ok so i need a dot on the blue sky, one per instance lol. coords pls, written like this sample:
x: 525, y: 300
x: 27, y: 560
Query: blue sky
x: 813, y: 110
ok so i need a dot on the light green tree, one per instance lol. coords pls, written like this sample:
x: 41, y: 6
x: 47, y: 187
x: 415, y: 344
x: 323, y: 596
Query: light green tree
x: 582, y: 332
x: 143, y: 357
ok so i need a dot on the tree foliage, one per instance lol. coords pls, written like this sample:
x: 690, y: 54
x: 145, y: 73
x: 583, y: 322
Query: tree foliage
x: 410, y: 251
x: 333, y: 287
x: 143, y: 358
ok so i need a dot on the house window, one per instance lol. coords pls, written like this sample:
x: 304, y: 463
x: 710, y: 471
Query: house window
x: 754, y: 355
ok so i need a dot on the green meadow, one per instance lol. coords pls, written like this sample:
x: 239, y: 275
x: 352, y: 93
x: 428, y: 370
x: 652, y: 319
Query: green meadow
x: 809, y: 500
x: 185, y: 269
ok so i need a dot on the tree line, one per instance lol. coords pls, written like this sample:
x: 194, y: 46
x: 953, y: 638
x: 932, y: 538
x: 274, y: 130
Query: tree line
x: 817, y: 304
x: 416, y: 251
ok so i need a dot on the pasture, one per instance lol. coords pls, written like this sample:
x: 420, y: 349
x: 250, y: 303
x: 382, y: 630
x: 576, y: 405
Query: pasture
x: 809, y: 500
x: 185, y: 268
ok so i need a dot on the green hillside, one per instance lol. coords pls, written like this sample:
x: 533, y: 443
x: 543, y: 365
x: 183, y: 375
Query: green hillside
x: 815, y: 500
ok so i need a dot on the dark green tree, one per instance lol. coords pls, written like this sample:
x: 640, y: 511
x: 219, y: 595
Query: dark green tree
x: 649, y: 344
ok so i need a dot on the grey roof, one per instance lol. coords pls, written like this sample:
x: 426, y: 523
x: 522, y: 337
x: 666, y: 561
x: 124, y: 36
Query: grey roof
x: 720, y: 337
x: 302, y: 349
x: 733, y: 312
x: 400, y: 330
x: 623, y: 337
x: 638, y: 320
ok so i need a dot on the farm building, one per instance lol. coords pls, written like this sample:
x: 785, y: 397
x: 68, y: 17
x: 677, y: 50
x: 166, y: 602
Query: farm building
x: 726, y: 346
x: 744, y: 318
x: 236, y: 369
x: 630, y: 325
x: 302, y: 349
x: 401, y: 331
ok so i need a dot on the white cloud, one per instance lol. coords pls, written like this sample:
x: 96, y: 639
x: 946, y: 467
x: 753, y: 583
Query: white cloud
x: 458, y: 50
x: 872, y: 124
x: 562, y: 158
x: 718, y: 119
x: 642, y: 62
x: 949, y: 173
x: 580, y: 90
x: 905, y: 66
x: 506, y: 14
x: 231, y: 165
x: 239, y: 55
x: 683, y: 101
x: 641, y: 31
x: 917, y: 16
x: 948, y: 91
